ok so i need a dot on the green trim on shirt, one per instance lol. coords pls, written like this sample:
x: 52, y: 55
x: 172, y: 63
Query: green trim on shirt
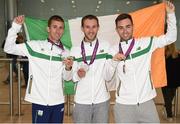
x: 108, y: 56
x: 144, y: 51
x: 100, y: 56
x: 40, y: 55
x: 137, y: 54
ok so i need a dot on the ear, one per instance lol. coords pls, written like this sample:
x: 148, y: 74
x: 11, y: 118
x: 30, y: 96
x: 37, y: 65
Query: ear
x: 82, y: 29
x: 116, y: 30
x: 98, y: 28
x: 47, y: 29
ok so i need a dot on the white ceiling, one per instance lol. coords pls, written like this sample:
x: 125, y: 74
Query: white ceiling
x: 78, y: 8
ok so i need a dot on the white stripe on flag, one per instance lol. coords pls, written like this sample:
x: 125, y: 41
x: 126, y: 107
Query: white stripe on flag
x: 106, y: 32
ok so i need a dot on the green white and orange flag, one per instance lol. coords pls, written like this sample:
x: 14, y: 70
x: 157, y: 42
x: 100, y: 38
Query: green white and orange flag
x: 147, y: 22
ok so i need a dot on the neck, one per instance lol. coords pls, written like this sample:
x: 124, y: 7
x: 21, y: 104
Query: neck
x: 89, y: 41
x: 122, y: 40
x: 54, y: 41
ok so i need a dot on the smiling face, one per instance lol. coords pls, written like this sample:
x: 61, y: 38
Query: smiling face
x: 55, y: 30
x: 125, y: 29
x: 90, y: 28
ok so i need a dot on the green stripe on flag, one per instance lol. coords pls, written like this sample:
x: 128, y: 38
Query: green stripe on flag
x: 66, y: 38
x: 36, y: 29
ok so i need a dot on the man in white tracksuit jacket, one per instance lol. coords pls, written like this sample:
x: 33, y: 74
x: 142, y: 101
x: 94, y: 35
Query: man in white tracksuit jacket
x: 131, y: 63
x: 46, y: 70
x: 92, y: 96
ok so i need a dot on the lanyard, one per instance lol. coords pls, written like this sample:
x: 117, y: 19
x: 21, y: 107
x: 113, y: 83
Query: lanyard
x: 60, y: 45
x: 83, y: 53
x: 128, y: 50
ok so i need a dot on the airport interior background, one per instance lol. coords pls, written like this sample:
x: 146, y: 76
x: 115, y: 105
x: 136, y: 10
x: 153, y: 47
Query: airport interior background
x: 13, y: 108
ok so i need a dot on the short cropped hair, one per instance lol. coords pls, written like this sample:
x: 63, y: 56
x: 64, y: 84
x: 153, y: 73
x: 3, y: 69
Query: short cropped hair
x: 56, y: 18
x: 122, y: 17
x: 89, y: 17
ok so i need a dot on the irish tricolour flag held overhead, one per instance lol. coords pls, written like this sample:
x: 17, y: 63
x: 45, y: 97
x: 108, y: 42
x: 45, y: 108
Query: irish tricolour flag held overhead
x: 147, y: 22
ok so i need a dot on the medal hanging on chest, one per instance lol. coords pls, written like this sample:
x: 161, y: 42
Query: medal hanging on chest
x: 60, y: 45
x: 126, y: 53
x: 83, y: 53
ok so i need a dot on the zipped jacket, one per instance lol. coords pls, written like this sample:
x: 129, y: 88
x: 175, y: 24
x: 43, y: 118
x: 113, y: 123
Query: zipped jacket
x: 134, y: 85
x: 91, y: 89
x: 46, y: 70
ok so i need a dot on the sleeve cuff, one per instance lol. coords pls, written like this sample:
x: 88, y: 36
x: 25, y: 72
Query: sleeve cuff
x: 171, y: 14
x: 16, y: 27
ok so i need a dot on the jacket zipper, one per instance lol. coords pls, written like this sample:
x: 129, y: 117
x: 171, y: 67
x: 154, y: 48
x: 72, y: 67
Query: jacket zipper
x: 118, y: 88
x: 92, y: 86
x: 135, y: 84
x: 49, y: 72
x: 106, y: 86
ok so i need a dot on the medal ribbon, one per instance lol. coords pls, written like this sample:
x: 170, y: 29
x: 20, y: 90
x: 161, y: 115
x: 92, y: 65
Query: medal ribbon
x: 83, y: 53
x: 129, y: 49
x: 60, y: 45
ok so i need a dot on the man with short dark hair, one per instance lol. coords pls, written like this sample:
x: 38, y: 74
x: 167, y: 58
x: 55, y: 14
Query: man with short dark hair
x: 92, y: 96
x: 132, y: 65
x: 46, y: 69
